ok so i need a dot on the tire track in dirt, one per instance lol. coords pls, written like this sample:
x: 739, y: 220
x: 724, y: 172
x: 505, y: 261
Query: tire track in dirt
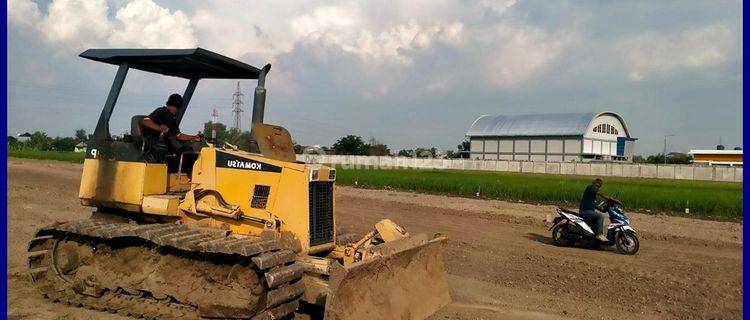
x: 511, y: 256
x: 500, y: 260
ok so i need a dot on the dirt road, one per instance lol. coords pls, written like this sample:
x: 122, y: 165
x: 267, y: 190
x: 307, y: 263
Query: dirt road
x: 500, y: 259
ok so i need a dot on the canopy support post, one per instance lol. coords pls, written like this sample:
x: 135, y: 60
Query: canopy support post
x: 186, y: 98
x: 102, y: 127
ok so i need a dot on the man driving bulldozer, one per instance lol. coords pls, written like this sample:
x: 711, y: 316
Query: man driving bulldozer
x: 162, y: 124
x: 587, y: 210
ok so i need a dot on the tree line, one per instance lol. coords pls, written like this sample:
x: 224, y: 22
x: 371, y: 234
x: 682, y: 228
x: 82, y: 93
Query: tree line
x: 675, y: 158
x: 355, y: 145
x: 347, y: 145
x: 41, y: 142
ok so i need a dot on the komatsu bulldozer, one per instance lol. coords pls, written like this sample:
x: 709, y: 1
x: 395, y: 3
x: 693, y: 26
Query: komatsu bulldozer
x: 219, y: 232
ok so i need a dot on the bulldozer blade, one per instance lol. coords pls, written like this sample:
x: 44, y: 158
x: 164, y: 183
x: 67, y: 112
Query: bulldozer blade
x: 404, y: 280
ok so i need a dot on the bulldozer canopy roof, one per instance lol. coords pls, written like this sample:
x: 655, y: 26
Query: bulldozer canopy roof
x: 195, y: 63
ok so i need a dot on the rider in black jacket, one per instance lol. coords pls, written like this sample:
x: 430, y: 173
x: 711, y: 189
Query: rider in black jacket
x: 587, y: 210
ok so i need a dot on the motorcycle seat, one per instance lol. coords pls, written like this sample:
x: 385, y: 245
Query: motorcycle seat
x: 575, y: 213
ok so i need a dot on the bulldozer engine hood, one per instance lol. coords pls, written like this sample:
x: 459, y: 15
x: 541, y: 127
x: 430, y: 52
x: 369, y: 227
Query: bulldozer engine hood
x: 228, y: 160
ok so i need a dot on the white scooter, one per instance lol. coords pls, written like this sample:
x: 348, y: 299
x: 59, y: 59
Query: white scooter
x: 571, y: 229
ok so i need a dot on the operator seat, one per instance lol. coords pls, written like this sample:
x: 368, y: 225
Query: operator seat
x: 151, y: 149
x: 136, y: 128
x: 154, y: 150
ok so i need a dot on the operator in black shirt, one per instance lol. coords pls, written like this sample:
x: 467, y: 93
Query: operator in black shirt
x: 587, y: 210
x: 163, y: 120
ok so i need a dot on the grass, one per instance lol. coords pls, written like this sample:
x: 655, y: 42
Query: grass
x: 75, y: 157
x: 704, y: 198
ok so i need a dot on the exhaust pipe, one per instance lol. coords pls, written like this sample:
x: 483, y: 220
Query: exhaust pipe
x: 259, y: 106
x: 259, y: 103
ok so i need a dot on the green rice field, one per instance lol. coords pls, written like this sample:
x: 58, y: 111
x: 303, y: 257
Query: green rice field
x: 75, y: 157
x: 703, y: 198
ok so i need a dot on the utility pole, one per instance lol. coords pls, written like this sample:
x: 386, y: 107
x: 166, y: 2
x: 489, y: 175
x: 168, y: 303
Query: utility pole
x: 237, y: 107
x: 214, y: 121
x: 665, y: 146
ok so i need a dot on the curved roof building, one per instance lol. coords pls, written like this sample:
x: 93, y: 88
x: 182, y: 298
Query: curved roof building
x: 551, y: 137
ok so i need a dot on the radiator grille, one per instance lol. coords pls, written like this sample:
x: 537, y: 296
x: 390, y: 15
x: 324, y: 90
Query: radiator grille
x: 321, y: 212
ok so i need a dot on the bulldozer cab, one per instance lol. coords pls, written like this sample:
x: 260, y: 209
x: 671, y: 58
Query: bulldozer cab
x: 114, y: 165
x: 190, y: 64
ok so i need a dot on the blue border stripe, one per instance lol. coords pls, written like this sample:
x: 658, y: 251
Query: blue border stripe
x: 4, y: 174
x: 745, y: 134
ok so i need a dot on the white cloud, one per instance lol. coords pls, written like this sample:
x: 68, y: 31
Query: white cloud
x: 261, y: 29
x: 498, y: 6
x: 325, y: 20
x: 23, y: 13
x: 86, y: 23
x: 83, y: 22
x: 375, y: 37
x: 143, y: 23
x: 348, y: 29
x: 522, y: 52
x: 501, y: 53
x: 391, y: 44
x: 658, y: 54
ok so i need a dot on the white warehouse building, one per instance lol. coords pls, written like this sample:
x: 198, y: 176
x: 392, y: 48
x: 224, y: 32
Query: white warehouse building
x: 562, y: 137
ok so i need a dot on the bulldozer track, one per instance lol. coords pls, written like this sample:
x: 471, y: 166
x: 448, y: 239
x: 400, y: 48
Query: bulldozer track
x: 277, y: 271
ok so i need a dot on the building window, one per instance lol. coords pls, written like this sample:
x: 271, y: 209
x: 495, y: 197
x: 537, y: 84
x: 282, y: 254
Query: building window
x: 606, y: 128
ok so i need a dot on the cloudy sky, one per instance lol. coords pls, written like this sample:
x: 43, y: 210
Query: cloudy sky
x: 409, y: 73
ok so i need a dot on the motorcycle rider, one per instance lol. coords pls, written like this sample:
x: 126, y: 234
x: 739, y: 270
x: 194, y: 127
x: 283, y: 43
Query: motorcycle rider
x: 587, y: 210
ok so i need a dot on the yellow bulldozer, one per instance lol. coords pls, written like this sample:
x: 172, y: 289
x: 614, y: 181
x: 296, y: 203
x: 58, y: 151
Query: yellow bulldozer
x: 219, y: 232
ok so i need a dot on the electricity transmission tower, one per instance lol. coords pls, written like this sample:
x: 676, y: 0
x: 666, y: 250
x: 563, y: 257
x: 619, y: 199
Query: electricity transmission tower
x: 237, y: 107
x: 214, y: 121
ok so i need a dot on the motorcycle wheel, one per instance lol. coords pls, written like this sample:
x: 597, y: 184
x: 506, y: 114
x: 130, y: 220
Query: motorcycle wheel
x: 627, y: 242
x: 558, y: 235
